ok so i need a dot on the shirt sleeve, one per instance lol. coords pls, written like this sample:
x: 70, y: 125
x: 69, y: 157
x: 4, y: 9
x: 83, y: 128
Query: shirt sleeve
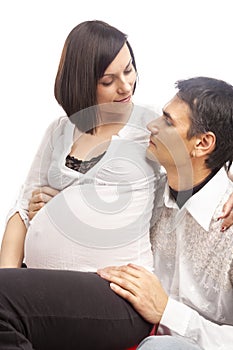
x: 183, y: 320
x: 38, y: 173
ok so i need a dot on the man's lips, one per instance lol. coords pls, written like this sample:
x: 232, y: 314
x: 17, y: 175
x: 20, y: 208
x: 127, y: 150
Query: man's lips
x: 152, y: 143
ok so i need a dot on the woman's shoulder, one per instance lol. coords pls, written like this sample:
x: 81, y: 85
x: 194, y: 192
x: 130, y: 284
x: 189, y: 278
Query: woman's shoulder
x: 58, y: 128
x: 59, y: 123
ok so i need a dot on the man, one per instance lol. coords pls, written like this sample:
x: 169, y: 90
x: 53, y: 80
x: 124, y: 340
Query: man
x: 191, y: 294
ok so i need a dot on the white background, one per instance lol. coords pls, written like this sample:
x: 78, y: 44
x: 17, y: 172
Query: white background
x: 172, y: 39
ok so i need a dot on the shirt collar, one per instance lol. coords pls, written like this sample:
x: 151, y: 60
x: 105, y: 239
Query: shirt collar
x: 202, y: 204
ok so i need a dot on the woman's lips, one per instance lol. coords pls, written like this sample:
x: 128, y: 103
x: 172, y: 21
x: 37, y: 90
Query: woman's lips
x: 124, y: 100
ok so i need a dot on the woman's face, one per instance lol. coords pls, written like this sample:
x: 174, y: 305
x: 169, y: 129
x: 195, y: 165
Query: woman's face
x: 117, y: 83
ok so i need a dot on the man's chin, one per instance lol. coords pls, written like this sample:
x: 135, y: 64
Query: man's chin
x: 150, y: 155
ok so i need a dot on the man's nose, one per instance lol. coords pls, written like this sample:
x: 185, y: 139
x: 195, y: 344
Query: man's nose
x: 153, y: 127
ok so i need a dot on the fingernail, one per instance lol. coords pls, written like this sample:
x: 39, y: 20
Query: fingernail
x: 223, y: 228
x: 113, y: 286
x: 221, y: 215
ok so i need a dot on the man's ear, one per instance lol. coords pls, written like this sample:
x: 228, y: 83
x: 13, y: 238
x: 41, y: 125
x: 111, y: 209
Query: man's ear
x: 205, y: 144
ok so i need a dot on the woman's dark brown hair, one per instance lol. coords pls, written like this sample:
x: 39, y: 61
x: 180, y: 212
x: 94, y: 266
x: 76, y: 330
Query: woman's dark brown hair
x: 88, y: 50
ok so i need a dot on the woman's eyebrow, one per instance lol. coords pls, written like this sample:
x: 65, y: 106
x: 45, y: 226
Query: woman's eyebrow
x: 130, y: 61
x: 127, y: 66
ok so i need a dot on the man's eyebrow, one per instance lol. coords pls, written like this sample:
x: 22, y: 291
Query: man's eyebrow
x: 168, y: 115
x: 127, y: 66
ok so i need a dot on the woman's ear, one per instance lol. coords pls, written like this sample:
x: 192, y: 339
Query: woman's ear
x: 205, y: 144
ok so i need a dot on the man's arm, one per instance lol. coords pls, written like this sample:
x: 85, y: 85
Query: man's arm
x: 144, y: 291
x: 140, y: 287
x: 183, y: 320
x: 39, y: 198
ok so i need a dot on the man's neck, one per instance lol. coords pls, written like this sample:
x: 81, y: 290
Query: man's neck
x: 187, y: 178
x: 181, y: 197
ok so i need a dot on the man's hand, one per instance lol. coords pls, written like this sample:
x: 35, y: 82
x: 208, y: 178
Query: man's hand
x: 227, y: 214
x: 140, y: 287
x: 39, y: 198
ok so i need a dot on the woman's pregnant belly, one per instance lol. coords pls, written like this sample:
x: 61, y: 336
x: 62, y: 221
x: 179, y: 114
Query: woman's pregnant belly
x: 85, y: 228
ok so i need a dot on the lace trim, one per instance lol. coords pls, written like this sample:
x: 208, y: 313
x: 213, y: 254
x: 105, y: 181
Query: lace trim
x: 82, y: 166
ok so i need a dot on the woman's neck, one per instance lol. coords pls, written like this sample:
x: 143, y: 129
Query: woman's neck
x: 115, y: 113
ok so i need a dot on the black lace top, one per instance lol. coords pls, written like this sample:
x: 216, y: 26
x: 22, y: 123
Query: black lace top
x: 82, y: 165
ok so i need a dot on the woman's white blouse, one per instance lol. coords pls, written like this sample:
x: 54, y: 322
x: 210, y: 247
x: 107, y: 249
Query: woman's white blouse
x: 99, y: 218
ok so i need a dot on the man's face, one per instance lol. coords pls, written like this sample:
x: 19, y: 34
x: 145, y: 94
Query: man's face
x: 170, y: 145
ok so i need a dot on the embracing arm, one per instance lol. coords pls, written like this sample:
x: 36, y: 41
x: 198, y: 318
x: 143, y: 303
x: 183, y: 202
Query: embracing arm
x: 227, y: 214
x: 144, y: 291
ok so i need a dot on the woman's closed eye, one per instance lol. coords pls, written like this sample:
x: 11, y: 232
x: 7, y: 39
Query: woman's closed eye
x: 128, y: 70
x: 106, y: 83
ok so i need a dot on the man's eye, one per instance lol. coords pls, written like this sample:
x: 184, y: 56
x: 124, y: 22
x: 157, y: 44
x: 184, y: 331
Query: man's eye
x: 168, y: 121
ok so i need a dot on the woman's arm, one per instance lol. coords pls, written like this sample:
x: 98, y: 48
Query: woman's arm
x: 12, y: 248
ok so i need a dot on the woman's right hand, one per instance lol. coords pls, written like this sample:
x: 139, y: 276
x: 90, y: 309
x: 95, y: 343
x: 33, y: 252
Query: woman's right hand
x: 39, y: 198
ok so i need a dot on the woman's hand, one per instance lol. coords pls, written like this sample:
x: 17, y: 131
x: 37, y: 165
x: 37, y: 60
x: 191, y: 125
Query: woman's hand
x: 39, y: 198
x: 227, y: 214
x: 140, y: 287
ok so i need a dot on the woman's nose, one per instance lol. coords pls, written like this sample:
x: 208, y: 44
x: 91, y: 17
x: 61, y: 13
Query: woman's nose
x: 124, y: 86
